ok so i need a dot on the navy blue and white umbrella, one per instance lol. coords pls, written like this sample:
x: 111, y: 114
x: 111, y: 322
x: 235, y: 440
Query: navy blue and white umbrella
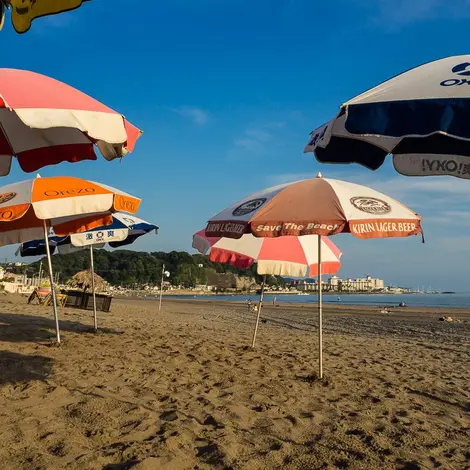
x: 421, y: 116
x: 124, y: 230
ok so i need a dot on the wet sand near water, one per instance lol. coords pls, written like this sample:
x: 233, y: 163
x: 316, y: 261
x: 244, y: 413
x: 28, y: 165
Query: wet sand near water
x: 182, y: 389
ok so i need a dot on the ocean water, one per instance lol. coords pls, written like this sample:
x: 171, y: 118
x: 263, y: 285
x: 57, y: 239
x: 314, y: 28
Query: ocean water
x: 458, y: 300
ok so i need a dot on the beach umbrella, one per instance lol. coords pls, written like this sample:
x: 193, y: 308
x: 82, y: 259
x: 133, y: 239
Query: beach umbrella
x: 316, y: 206
x: 420, y: 116
x: 283, y: 256
x: 70, y: 205
x: 124, y: 230
x: 44, y: 122
x: 23, y: 12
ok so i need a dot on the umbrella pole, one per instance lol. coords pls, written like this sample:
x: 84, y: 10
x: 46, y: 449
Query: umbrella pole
x: 92, y: 265
x: 320, y: 313
x: 51, y: 279
x: 259, y: 311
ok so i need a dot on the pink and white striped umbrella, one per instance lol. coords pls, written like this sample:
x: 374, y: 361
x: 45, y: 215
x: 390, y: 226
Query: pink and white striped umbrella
x: 44, y: 122
x: 283, y: 256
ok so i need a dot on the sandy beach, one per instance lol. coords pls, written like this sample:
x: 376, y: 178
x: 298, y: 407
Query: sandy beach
x: 182, y: 389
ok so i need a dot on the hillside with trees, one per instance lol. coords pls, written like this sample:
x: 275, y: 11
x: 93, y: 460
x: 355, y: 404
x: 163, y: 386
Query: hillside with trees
x: 130, y: 268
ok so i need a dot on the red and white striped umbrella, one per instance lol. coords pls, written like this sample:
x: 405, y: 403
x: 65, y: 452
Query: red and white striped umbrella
x: 44, y: 122
x: 284, y: 256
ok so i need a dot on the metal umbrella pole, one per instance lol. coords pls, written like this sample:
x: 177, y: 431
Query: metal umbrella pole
x: 92, y: 267
x: 320, y: 313
x: 259, y: 311
x: 51, y: 280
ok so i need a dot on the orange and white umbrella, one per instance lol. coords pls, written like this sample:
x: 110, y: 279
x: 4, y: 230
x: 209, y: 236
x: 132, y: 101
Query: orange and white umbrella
x: 70, y: 205
x: 44, y: 122
x: 283, y: 256
x: 317, y: 206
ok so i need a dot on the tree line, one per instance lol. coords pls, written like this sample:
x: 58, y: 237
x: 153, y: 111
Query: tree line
x: 131, y: 268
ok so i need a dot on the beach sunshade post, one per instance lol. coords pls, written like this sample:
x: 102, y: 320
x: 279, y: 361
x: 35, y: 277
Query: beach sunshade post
x: 420, y: 117
x: 44, y: 122
x: 320, y: 312
x: 92, y: 268
x: 282, y: 256
x: 69, y: 205
x: 258, y: 313
x: 51, y: 280
x: 123, y: 230
x: 317, y: 206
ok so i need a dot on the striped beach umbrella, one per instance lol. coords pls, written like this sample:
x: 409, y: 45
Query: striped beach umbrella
x: 44, y: 122
x: 283, y: 256
x: 70, y: 205
x: 124, y: 230
x: 317, y: 206
x: 420, y: 116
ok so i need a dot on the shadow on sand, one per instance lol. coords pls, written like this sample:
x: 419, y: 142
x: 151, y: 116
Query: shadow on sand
x: 16, y: 367
x: 17, y: 327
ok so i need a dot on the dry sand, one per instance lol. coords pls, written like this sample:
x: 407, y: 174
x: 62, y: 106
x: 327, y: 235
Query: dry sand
x: 181, y: 389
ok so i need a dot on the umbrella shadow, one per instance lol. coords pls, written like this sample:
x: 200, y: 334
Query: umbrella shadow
x: 18, y: 327
x: 16, y: 367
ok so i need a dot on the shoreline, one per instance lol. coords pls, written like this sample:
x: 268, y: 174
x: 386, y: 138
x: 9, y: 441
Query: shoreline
x: 328, y: 308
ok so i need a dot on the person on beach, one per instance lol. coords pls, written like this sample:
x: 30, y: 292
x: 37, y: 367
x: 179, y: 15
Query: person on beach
x: 274, y: 301
x: 248, y: 302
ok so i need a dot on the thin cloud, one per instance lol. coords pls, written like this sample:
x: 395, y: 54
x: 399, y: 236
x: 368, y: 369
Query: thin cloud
x: 256, y: 138
x: 393, y: 14
x: 197, y: 115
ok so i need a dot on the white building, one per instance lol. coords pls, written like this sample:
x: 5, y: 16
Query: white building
x: 336, y: 284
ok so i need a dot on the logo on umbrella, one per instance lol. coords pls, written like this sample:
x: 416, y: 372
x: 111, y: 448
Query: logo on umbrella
x: 371, y: 205
x: 248, y: 207
x: 5, y: 197
x: 462, y: 69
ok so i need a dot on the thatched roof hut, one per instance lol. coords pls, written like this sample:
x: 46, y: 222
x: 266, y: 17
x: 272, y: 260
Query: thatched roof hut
x: 82, y: 280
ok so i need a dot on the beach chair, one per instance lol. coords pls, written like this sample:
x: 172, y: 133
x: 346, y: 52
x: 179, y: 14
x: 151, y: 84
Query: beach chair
x: 43, y: 296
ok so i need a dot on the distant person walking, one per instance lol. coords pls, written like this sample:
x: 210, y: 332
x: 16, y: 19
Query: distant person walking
x: 274, y: 301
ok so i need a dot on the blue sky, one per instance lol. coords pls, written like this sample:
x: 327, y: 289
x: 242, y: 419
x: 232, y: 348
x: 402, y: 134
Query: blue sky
x: 227, y: 91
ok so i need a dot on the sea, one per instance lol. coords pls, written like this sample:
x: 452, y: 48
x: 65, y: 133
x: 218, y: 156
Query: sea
x: 457, y: 300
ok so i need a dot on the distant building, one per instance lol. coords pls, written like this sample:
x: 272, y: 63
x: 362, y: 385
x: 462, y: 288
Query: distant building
x: 336, y: 284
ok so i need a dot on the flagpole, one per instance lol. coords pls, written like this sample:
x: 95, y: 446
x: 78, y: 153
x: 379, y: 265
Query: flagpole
x: 92, y: 265
x: 259, y: 310
x: 51, y: 279
x: 161, y: 289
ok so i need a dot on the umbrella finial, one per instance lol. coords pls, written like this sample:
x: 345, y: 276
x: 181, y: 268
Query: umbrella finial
x: 38, y: 175
x: 319, y: 175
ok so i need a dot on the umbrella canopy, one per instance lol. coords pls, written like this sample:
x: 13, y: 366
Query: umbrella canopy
x: 124, y: 230
x: 44, y: 122
x: 23, y: 12
x: 69, y: 204
x: 317, y: 206
x: 420, y: 116
x: 284, y: 256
